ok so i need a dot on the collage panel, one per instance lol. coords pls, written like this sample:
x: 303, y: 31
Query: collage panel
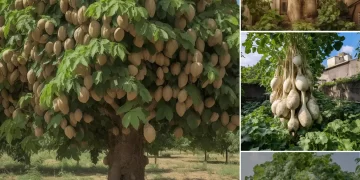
x: 119, y: 89
x: 300, y: 15
x: 299, y: 91
x: 300, y: 165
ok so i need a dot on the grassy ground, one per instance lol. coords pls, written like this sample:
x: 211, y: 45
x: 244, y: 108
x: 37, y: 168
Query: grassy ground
x: 171, y: 165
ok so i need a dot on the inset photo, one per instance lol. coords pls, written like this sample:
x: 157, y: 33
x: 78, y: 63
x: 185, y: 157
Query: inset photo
x: 300, y: 165
x: 301, y: 15
x: 300, y: 91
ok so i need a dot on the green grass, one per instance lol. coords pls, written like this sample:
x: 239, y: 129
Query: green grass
x: 200, y: 167
x: 45, y: 166
x: 229, y: 170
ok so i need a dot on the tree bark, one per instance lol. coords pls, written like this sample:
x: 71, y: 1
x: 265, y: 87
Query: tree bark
x: 227, y: 156
x: 126, y: 157
x: 310, y: 8
x: 156, y: 155
x: 294, y: 10
x: 205, y: 156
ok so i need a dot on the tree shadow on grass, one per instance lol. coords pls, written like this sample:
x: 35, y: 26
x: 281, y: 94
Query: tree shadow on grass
x: 166, y: 157
x: 51, y: 171
x: 21, y: 169
x: 158, y: 170
x: 213, y: 162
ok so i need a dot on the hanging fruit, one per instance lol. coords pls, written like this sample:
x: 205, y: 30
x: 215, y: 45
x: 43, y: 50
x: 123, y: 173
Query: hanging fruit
x: 291, y: 96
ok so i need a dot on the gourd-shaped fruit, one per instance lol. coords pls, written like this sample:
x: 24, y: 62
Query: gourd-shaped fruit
x: 131, y: 96
x: 39, y: 131
x: 274, y: 106
x: 180, y: 109
x: 275, y: 83
x: 63, y: 123
x: 281, y: 110
x: 209, y: 102
x: 178, y: 132
x: 297, y: 60
x: 88, y: 81
x: 83, y: 95
x: 287, y: 85
x: 182, y: 96
x: 313, y: 108
x: 214, y: 117
x: 301, y: 82
x: 304, y: 115
x: 272, y: 96
x: 293, y: 99
x: 70, y: 132
x: 293, y: 124
x: 231, y: 126
x: 182, y: 80
x: 158, y: 94
x: 78, y: 115
x: 88, y: 118
x: 167, y: 93
x: 149, y: 133
x: 235, y: 119
x: 150, y: 7
x: 224, y: 118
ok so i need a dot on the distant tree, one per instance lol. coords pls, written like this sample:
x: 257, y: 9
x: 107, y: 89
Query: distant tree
x: 300, y: 166
x: 162, y: 142
x: 182, y: 144
x: 227, y: 142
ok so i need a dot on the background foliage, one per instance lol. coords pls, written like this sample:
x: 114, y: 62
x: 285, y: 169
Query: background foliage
x: 307, y: 166
x: 332, y: 15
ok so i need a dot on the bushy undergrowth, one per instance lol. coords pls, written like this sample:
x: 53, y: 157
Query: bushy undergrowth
x: 339, y: 129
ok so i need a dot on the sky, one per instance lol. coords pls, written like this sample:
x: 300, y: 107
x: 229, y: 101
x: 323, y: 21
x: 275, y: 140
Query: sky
x: 349, y: 45
x: 346, y: 160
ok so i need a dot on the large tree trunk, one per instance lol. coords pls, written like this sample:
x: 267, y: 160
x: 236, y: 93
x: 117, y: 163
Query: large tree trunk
x: 227, y: 156
x: 156, y: 155
x: 310, y: 9
x: 294, y: 10
x: 126, y: 157
x: 205, y: 156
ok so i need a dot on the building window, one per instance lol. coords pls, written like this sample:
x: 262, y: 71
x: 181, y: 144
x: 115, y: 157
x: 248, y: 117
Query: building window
x: 283, y: 7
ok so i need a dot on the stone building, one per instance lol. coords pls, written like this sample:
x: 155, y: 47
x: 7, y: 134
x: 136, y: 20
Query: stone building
x: 280, y: 6
x: 354, y: 10
x: 340, y: 66
x: 353, y: 5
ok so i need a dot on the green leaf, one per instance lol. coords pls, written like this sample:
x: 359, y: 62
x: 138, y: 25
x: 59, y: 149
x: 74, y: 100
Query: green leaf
x: 97, y: 77
x: 134, y: 117
x: 55, y: 121
x: 25, y: 100
x: 80, y: 135
x: 206, y: 115
x: 194, y: 93
x: 144, y: 92
x: 164, y: 111
x: 191, y: 120
x: 127, y: 107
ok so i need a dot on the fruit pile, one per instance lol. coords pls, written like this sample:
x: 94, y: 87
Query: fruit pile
x: 291, y: 96
x: 47, y: 55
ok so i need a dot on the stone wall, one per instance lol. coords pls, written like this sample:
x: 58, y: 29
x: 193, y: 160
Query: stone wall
x: 346, y: 69
x: 347, y: 91
x: 252, y: 92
